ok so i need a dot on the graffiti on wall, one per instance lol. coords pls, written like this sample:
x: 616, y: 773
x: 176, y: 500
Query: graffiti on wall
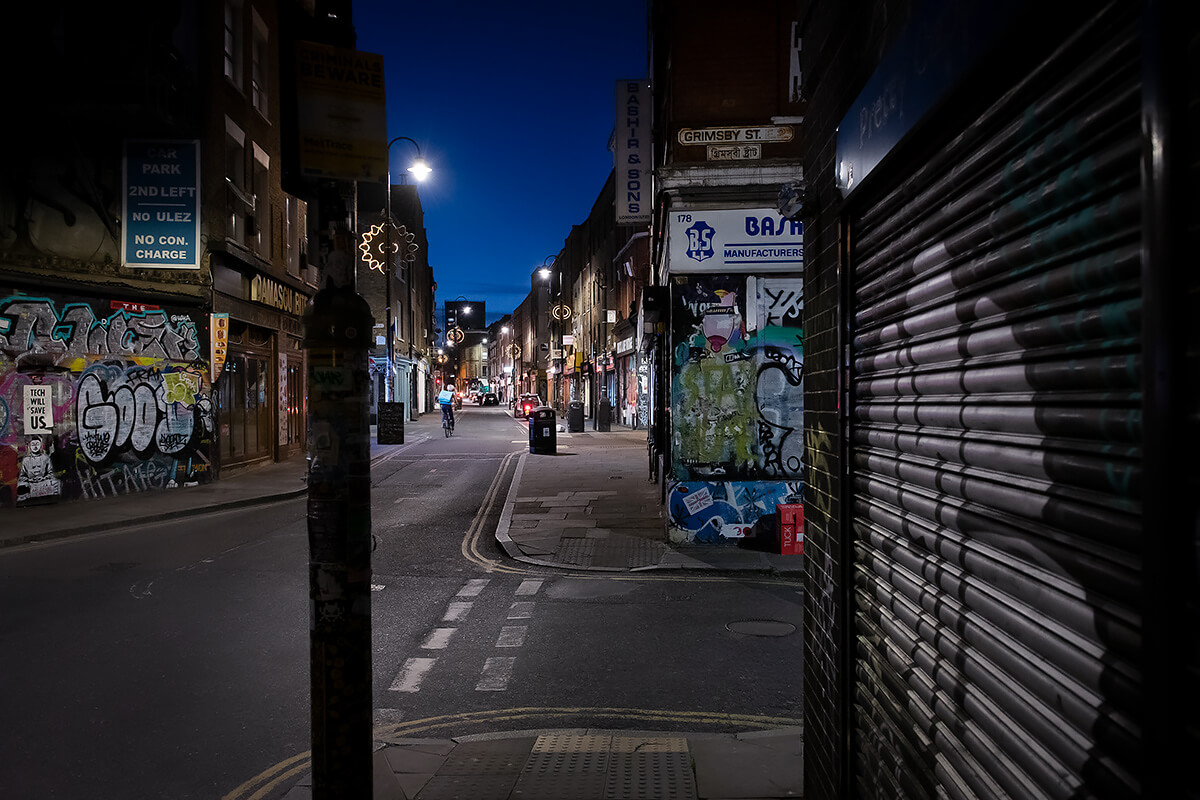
x: 737, y: 402
x: 129, y: 396
x: 707, y: 513
x: 40, y: 331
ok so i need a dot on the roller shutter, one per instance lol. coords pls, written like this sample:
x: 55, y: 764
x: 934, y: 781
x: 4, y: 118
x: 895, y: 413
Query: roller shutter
x: 995, y: 447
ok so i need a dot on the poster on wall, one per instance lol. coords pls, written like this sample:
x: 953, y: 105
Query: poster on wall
x: 737, y: 395
x: 218, y: 343
x: 39, y: 417
x: 751, y: 240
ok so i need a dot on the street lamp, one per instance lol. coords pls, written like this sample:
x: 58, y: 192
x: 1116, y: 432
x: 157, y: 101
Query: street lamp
x: 420, y: 171
x: 557, y: 312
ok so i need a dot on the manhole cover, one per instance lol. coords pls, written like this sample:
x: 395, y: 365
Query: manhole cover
x: 761, y: 627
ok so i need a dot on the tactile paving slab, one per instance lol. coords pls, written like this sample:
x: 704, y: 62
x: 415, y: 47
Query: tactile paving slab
x: 599, y: 767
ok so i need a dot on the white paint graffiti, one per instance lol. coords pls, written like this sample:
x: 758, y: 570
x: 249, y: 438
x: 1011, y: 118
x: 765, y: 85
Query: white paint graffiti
x: 138, y: 409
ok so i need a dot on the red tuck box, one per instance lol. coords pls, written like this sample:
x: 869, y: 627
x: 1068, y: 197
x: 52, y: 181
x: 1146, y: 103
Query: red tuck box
x: 791, y: 529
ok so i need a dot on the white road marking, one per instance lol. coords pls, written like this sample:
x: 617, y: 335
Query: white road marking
x: 457, y: 611
x: 411, y: 674
x: 473, y: 587
x: 438, y: 638
x: 522, y: 609
x: 528, y: 587
x: 496, y: 672
x: 511, y: 636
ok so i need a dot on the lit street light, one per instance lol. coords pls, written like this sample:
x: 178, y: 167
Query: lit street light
x: 557, y: 312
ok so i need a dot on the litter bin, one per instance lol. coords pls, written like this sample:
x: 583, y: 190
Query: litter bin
x: 603, y: 421
x: 542, y: 431
x: 575, y: 416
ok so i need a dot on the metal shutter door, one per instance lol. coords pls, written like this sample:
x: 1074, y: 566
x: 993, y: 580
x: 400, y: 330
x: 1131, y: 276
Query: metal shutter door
x: 995, y: 447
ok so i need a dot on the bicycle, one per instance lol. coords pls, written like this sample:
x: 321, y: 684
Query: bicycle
x: 447, y: 424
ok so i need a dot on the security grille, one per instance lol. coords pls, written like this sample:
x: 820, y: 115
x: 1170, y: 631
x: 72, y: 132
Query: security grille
x: 995, y: 435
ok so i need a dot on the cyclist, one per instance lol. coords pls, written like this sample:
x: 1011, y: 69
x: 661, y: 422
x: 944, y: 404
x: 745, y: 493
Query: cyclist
x: 446, y: 401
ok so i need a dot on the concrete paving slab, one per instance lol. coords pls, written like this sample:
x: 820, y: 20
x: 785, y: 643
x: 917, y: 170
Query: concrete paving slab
x: 383, y: 779
x: 469, y: 787
x: 409, y: 759
x: 747, y: 768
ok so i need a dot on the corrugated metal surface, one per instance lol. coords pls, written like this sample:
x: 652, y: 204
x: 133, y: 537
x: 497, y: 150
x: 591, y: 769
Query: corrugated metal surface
x: 996, y: 448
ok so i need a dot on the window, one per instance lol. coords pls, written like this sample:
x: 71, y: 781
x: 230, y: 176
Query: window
x: 295, y: 230
x: 259, y: 66
x: 233, y: 42
x: 260, y: 234
x: 240, y: 203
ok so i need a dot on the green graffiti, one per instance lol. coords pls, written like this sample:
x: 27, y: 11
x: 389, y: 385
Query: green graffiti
x: 715, y: 422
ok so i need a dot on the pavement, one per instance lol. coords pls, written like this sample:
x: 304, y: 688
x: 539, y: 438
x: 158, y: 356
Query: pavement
x: 589, y: 506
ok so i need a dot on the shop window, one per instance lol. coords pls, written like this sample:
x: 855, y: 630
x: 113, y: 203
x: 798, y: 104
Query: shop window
x: 244, y: 401
x: 295, y: 402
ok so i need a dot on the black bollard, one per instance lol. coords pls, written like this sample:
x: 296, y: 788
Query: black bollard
x: 337, y: 335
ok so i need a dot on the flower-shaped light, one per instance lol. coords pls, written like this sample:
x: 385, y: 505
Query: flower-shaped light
x: 374, y: 247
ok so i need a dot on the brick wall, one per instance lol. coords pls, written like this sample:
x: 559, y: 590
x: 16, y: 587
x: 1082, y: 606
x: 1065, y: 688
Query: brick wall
x: 842, y: 43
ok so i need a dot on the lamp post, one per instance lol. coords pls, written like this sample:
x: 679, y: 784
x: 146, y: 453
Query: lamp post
x: 557, y: 312
x: 420, y: 171
x: 546, y: 272
x: 506, y: 369
x: 456, y: 335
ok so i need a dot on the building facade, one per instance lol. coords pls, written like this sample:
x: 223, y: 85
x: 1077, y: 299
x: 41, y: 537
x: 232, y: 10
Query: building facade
x: 257, y: 241
x: 153, y: 270
x: 729, y: 134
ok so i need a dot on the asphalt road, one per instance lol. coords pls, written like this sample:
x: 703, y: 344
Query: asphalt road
x: 171, y: 660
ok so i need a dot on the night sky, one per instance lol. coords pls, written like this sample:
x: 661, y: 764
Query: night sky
x: 513, y: 107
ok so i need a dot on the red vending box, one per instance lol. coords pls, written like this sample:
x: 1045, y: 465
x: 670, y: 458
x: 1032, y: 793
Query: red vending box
x: 791, y: 529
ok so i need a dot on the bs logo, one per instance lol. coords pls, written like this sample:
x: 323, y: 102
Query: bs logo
x: 700, y: 237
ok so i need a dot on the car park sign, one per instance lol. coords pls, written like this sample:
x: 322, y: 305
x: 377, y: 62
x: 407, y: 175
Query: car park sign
x: 160, y: 220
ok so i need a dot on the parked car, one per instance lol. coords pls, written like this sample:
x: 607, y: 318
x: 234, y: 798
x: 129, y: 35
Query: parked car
x: 525, y: 405
x: 490, y: 399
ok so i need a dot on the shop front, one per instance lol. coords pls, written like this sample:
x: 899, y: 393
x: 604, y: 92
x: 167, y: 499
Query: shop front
x: 736, y: 372
x: 626, y: 403
x: 259, y: 395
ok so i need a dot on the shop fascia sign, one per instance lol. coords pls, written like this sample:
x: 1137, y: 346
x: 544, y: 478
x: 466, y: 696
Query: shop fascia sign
x: 912, y: 79
x: 274, y: 294
x: 735, y: 240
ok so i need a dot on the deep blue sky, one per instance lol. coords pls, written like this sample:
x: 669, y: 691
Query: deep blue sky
x: 513, y: 106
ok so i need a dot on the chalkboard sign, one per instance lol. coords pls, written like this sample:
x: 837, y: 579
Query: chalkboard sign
x: 391, y: 424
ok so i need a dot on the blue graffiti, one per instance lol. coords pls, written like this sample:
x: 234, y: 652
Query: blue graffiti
x: 711, y: 512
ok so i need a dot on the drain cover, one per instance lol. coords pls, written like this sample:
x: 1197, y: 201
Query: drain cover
x: 761, y: 627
